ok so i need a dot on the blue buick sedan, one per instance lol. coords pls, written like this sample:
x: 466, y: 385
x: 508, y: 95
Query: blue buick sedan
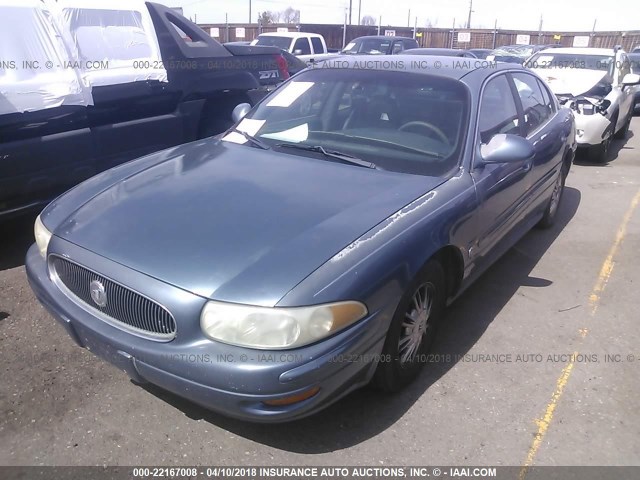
x: 312, y: 248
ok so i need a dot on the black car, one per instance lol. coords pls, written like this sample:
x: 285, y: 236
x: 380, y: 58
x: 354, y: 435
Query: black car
x: 481, y: 53
x: 294, y: 64
x: 379, y: 45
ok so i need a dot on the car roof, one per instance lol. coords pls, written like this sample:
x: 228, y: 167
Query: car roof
x: 386, y: 37
x: 414, y: 64
x: 445, y: 52
x: 514, y: 46
x: 289, y: 34
x: 580, y: 50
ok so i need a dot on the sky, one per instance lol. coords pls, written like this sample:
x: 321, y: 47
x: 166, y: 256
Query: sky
x: 557, y: 15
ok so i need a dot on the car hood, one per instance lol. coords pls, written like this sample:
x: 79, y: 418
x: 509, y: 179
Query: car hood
x: 235, y: 223
x: 571, y: 81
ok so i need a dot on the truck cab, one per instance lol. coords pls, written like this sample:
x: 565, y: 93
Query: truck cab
x: 308, y: 47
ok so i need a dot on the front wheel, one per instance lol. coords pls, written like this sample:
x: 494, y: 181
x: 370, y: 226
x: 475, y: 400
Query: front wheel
x: 599, y: 153
x: 622, y: 133
x: 412, y: 329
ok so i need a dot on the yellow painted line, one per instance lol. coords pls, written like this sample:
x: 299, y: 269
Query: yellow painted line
x: 607, y: 266
x: 606, y: 270
x: 544, y: 422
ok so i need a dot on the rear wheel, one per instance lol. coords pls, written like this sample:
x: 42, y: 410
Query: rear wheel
x: 412, y: 329
x: 550, y: 214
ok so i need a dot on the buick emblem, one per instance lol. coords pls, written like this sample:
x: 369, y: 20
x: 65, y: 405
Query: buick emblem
x: 98, y: 293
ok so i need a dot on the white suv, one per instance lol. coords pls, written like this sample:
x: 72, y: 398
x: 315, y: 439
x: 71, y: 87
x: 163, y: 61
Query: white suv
x: 596, y: 83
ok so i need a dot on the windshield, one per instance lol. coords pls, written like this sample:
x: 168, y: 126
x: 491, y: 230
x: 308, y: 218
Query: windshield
x: 571, y: 60
x: 370, y: 46
x: 517, y: 51
x: 282, y: 43
x: 399, y: 121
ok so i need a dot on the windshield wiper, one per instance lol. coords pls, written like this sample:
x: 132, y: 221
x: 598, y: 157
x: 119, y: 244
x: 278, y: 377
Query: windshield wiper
x: 343, y: 157
x: 252, y: 139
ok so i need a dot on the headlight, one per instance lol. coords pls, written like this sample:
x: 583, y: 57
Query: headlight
x: 275, y: 328
x: 42, y: 236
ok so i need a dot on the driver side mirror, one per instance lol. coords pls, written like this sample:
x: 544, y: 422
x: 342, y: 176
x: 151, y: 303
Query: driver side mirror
x: 240, y: 111
x: 297, y: 51
x: 506, y: 148
x: 631, y: 79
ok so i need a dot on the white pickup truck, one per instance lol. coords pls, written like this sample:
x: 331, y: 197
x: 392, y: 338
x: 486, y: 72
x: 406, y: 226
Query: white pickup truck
x: 309, y: 47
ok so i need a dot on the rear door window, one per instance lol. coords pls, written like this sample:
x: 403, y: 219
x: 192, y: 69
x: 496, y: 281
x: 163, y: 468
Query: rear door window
x: 302, y: 47
x: 317, y: 45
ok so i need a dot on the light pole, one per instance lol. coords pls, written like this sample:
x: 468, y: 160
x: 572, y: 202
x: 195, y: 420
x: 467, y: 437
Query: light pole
x: 470, y: 10
x: 344, y: 30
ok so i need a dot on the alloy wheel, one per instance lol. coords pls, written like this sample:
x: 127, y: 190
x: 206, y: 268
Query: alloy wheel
x: 416, y: 323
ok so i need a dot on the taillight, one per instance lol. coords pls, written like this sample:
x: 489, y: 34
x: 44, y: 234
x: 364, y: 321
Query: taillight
x: 282, y: 66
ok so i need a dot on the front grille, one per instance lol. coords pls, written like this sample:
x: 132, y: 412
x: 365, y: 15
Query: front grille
x: 124, y: 307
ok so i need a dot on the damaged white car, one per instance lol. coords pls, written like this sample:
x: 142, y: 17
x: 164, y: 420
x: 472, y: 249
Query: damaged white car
x: 596, y: 83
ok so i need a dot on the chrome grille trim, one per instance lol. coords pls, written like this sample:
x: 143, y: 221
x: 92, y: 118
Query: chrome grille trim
x: 126, y: 309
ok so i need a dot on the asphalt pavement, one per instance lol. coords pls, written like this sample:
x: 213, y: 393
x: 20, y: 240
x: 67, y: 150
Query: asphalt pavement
x: 537, y: 364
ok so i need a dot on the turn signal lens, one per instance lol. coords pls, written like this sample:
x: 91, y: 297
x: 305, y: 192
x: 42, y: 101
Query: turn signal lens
x: 299, y: 397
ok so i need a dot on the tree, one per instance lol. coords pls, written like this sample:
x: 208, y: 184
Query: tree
x: 367, y: 20
x: 265, y: 17
x: 291, y: 15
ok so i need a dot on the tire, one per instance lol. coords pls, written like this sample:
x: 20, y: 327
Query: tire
x: 622, y: 133
x: 599, y: 153
x: 405, y: 347
x: 551, y: 212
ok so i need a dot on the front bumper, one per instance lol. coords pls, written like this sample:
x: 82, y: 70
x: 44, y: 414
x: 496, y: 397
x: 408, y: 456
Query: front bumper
x: 591, y: 129
x: 230, y: 380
